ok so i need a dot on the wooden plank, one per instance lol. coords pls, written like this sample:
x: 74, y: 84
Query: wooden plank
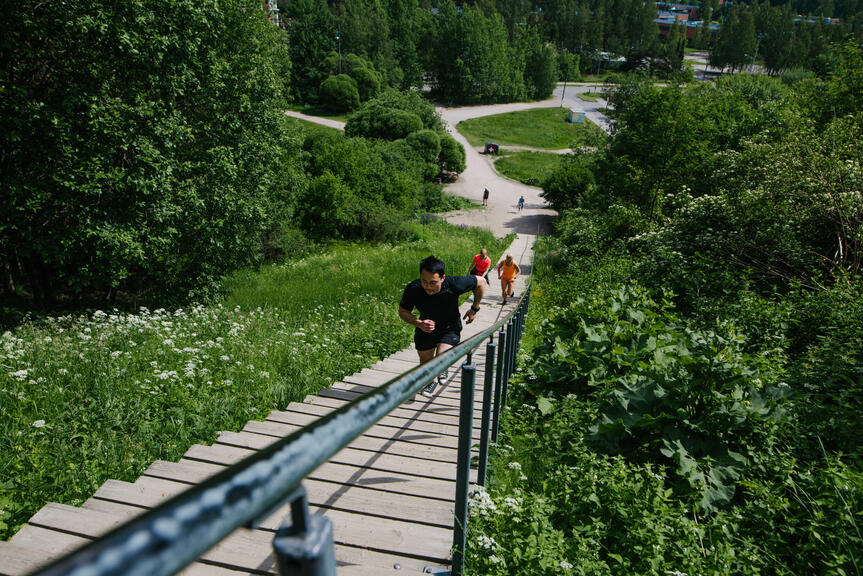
x: 192, y: 472
x: 395, y: 422
x: 58, y: 531
x: 401, y: 412
x: 378, y: 431
x: 19, y: 561
x: 431, y: 414
x: 256, y: 548
x: 378, y: 460
x: 364, y: 444
x: 351, y: 529
x: 357, y: 499
x: 222, y: 454
x: 450, y: 401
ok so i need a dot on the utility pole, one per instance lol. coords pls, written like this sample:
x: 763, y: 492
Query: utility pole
x: 339, y: 38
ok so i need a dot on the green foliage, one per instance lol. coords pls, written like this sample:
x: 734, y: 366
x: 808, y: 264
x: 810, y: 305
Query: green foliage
x: 661, y: 390
x: 426, y: 143
x: 144, y: 144
x: 339, y: 93
x: 452, y: 155
x: 540, y: 66
x: 568, y: 67
x: 668, y: 139
x: 312, y: 30
x: 368, y: 80
x: 473, y: 60
x: 572, y: 181
x: 377, y: 119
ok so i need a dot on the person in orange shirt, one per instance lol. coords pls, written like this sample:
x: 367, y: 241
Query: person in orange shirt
x: 507, y: 271
x: 481, y: 265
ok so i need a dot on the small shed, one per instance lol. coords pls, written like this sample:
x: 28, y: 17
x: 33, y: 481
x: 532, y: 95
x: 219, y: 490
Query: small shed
x: 575, y: 116
x: 491, y: 148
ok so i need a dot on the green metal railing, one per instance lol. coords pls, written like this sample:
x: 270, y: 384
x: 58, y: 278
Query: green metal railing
x: 167, y: 538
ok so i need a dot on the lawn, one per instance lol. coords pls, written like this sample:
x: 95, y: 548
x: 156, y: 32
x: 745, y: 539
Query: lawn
x: 102, y: 394
x: 588, y: 96
x: 544, y: 128
x: 530, y: 168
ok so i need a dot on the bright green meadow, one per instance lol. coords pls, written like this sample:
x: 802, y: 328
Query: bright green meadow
x: 101, y: 395
x: 545, y: 128
x: 528, y: 167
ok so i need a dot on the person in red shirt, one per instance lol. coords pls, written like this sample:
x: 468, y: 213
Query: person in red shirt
x: 481, y: 265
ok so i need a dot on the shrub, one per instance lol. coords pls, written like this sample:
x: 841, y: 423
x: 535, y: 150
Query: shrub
x: 328, y: 207
x: 664, y: 393
x: 425, y: 143
x: 452, y: 155
x: 339, y: 93
x: 368, y: 82
x: 378, y: 121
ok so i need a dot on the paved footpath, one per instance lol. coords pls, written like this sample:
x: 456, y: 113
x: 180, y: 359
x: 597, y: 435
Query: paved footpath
x: 390, y: 493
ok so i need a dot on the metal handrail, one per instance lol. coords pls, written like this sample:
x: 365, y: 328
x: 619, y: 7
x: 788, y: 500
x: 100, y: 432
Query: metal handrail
x: 174, y: 534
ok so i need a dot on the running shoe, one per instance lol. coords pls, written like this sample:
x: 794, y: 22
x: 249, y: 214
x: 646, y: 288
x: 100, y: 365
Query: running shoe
x: 429, y: 388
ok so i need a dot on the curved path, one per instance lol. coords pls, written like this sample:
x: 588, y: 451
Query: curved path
x: 501, y: 216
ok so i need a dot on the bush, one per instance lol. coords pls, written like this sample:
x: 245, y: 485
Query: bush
x: 690, y: 400
x: 368, y: 82
x: 378, y: 121
x: 568, y: 186
x: 425, y: 143
x: 452, y: 155
x: 339, y: 93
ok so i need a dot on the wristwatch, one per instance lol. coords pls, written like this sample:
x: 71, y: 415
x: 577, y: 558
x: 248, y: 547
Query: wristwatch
x: 474, y: 308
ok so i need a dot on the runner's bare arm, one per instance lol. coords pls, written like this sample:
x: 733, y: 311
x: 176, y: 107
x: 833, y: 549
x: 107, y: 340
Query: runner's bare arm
x: 478, y: 293
x: 408, y: 316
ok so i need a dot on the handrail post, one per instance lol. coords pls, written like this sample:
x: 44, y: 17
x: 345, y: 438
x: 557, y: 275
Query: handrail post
x: 486, y: 412
x: 462, y: 484
x: 498, y: 386
x: 303, y: 545
x: 510, y: 346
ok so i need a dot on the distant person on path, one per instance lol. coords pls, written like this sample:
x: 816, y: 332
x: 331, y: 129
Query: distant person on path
x: 435, y: 295
x: 507, y: 271
x: 485, y: 197
x: 521, y: 203
x: 481, y: 265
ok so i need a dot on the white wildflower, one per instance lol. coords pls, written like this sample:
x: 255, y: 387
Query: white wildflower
x: 38, y: 423
x: 486, y: 542
x: 515, y: 466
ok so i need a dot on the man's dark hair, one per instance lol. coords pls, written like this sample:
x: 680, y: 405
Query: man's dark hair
x: 433, y: 265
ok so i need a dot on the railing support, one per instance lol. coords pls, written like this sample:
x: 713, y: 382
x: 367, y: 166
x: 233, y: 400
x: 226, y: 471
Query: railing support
x: 486, y: 412
x: 498, y: 386
x: 507, y: 361
x: 303, y: 545
x: 462, y: 483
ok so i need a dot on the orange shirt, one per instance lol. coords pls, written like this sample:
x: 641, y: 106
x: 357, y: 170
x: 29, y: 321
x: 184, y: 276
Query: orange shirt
x: 508, y: 272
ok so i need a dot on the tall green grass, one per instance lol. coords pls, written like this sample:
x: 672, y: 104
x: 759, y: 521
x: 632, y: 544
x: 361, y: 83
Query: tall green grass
x: 88, y: 397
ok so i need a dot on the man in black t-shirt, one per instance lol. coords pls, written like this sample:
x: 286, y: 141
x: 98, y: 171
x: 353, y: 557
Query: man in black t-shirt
x: 435, y: 295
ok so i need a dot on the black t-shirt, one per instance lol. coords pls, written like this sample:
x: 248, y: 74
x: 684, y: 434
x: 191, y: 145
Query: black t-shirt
x: 441, y: 307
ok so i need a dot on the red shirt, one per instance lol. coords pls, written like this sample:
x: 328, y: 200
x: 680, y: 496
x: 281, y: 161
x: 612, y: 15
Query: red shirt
x: 481, y: 264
